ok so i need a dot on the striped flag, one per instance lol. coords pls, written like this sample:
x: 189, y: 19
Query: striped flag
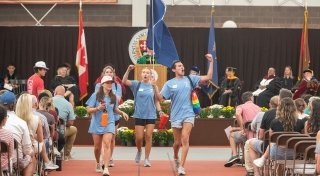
x: 304, y: 59
x: 81, y: 59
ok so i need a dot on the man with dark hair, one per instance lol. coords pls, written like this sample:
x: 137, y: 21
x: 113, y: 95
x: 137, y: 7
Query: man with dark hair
x: 35, y: 83
x: 182, y: 116
x: 244, y: 113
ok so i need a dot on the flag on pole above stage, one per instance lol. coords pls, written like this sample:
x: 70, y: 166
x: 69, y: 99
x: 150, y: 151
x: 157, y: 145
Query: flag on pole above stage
x: 81, y: 59
x: 159, y: 38
x: 304, y: 59
x: 212, y: 87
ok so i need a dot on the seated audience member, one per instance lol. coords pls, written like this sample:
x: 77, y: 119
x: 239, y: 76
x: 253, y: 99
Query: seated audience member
x: 229, y: 88
x: 288, y: 81
x: 194, y: 70
x: 286, y: 121
x: 20, y: 131
x: 317, y: 153
x: 256, y: 144
x: 301, y: 106
x: 7, y: 137
x: 302, y: 85
x: 312, y: 124
x: 70, y: 84
x: 66, y: 118
x: 271, y: 89
x: 251, y: 150
x: 244, y: 113
x: 25, y: 112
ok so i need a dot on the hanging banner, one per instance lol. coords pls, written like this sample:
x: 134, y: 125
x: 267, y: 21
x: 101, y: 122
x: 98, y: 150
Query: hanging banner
x: 58, y: 1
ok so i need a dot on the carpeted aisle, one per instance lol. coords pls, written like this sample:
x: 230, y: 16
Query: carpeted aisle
x: 159, y: 168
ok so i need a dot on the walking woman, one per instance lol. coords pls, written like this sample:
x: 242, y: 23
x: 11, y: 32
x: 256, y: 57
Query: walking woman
x: 144, y: 111
x: 117, y: 90
x: 102, y: 105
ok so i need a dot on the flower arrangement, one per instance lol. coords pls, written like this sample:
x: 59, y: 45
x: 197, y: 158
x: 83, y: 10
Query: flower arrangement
x: 166, y: 106
x: 81, y: 112
x: 127, y: 107
x: 228, y: 112
x: 264, y: 109
x: 170, y: 137
x: 162, y: 137
x: 205, y: 113
x: 125, y: 135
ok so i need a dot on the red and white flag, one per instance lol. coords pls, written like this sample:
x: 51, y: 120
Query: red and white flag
x: 81, y: 59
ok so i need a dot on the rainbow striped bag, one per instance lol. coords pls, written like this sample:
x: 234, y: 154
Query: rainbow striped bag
x: 194, y: 99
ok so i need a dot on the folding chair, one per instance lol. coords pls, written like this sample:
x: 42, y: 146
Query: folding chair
x: 281, y: 141
x: 306, y: 147
x: 273, y: 139
x: 288, y: 164
x: 4, y: 149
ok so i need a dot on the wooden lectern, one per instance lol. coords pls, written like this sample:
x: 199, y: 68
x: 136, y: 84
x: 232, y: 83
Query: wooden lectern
x: 160, y: 69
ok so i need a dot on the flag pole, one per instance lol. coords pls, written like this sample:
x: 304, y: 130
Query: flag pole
x: 152, y: 22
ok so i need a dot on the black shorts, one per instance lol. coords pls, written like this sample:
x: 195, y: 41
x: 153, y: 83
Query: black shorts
x: 144, y: 122
x: 116, y: 122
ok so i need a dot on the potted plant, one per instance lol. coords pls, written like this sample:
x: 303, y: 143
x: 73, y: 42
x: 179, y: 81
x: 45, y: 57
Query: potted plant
x: 162, y: 137
x: 121, y: 135
x: 81, y: 112
x: 228, y: 112
x: 155, y: 137
x: 127, y: 107
x: 129, y: 136
x: 170, y: 137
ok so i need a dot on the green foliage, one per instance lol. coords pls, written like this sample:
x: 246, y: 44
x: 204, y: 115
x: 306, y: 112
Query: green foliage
x: 81, y: 112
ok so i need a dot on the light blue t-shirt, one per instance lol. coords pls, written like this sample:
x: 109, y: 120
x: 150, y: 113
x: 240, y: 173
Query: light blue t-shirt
x: 65, y: 108
x: 179, y: 91
x: 95, y: 124
x: 117, y: 90
x: 144, y: 100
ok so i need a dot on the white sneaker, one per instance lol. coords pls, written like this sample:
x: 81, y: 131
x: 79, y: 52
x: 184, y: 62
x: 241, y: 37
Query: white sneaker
x: 138, y: 157
x: 50, y: 166
x: 111, y: 163
x: 98, y: 167
x: 259, y: 162
x: 147, y: 163
x: 106, y: 172
x: 181, y: 171
x: 56, y: 152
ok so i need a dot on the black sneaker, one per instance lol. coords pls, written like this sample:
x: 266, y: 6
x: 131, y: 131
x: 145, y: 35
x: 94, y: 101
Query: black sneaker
x: 232, y: 160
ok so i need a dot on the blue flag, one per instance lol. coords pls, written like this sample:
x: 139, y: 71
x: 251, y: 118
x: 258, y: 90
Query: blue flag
x: 159, y: 38
x: 212, y: 87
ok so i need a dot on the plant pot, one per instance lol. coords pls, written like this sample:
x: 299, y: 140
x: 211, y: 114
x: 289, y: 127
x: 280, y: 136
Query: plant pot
x: 129, y: 143
x: 162, y: 143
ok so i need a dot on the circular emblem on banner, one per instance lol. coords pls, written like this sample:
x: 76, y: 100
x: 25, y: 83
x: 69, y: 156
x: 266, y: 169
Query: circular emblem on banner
x: 138, y: 45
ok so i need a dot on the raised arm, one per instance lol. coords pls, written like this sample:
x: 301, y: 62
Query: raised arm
x: 210, y: 69
x: 125, y: 80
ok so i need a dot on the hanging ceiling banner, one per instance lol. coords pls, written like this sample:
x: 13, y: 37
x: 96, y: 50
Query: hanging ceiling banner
x: 58, y: 1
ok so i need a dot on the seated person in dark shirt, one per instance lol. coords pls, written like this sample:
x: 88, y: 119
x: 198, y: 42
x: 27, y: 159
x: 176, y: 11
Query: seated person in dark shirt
x: 286, y: 121
x: 256, y: 145
x: 288, y: 81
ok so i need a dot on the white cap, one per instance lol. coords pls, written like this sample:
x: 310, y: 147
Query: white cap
x: 40, y: 64
x: 106, y: 79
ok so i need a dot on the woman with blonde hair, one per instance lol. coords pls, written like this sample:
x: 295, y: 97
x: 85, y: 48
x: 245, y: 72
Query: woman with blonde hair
x: 145, y: 107
x: 24, y: 111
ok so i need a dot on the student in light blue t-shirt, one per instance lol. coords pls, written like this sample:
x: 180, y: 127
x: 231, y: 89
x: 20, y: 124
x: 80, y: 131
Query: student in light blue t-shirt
x: 103, y: 101
x: 117, y: 90
x: 144, y: 110
x: 178, y: 90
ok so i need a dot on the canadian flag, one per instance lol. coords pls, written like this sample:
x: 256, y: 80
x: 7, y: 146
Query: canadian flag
x: 81, y: 59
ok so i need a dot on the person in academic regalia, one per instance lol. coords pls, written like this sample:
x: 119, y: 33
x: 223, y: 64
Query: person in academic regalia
x: 229, y: 88
x: 270, y: 90
x: 288, y: 80
x: 305, y: 86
